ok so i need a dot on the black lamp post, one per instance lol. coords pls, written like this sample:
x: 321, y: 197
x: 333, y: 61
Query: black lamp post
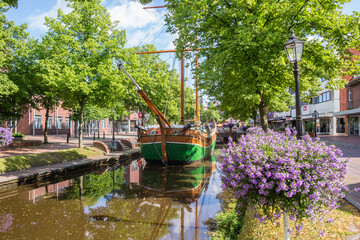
x: 315, y: 115
x: 113, y: 125
x: 294, y: 49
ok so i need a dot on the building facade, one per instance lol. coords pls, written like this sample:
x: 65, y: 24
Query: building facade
x: 338, y: 110
x: 59, y: 122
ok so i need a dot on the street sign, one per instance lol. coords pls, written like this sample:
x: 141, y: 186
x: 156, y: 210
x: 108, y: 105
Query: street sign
x: 140, y: 115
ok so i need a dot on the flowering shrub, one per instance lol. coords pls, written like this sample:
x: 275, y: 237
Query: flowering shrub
x: 278, y: 173
x: 5, y: 137
x: 5, y: 222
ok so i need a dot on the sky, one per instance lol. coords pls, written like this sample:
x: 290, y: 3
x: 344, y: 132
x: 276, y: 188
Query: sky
x: 142, y: 26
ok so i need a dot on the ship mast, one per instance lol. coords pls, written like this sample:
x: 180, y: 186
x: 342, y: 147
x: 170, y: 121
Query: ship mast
x: 182, y: 78
x: 182, y: 104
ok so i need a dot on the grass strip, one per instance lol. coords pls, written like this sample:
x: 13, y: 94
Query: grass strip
x: 339, y: 224
x: 22, y: 162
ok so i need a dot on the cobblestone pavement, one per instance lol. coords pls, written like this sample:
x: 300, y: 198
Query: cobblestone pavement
x: 56, y: 143
x: 350, y: 146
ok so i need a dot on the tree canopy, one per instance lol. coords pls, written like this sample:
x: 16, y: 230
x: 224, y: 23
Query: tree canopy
x: 15, y: 92
x: 83, y: 45
x: 242, y: 44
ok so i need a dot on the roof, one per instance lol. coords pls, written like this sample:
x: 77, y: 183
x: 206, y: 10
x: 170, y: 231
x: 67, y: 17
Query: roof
x: 353, y: 82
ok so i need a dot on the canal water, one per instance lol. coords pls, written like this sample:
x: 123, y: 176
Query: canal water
x: 136, y: 201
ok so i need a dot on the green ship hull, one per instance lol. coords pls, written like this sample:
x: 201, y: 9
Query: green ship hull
x: 177, y: 153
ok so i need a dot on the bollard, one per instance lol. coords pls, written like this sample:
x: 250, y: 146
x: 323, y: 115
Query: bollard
x: 67, y: 137
x: 104, y: 135
x: 94, y: 135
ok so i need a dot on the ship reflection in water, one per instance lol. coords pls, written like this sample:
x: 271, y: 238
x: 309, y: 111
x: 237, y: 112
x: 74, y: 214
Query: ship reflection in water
x: 136, y: 201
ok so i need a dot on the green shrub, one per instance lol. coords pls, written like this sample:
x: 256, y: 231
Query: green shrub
x: 310, y: 127
x: 281, y: 128
x: 18, y: 134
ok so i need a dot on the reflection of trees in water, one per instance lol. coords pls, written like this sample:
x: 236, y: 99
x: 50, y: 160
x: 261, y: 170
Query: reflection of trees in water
x: 96, y: 186
x: 108, y: 209
x: 46, y: 219
x: 132, y: 218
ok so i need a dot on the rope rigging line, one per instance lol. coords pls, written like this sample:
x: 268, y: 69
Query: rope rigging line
x: 171, y: 78
x: 147, y: 127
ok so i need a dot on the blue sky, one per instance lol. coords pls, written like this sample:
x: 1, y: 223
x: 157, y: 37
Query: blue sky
x: 142, y: 26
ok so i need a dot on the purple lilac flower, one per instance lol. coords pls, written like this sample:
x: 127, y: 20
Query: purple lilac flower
x: 322, y: 233
x: 5, y: 222
x: 5, y: 137
x: 275, y: 169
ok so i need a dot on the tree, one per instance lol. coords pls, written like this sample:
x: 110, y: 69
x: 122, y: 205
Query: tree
x: 84, y: 43
x: 155, y: 77
x: 42, y: 81
x: 211, y: 114
x: 241, y: 42
x: 11, y: 3
x: 10, y: 37
x: 16, y: 91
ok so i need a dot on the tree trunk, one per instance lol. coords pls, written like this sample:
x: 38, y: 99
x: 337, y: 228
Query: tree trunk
x: 88, y: 128
x: 98, y: 127
x: 82, y: 107
x: 75, y: 128
x: 262, y: 112
x: 45, y: 127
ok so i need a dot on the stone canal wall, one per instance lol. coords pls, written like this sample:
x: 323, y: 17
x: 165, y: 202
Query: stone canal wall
x: 62, y: 170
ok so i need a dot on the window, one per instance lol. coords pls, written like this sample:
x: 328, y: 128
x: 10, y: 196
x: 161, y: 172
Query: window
x: 349, y: 95
x: 59, y: 122
x: 324, y: 125
x: 49, y: 122
x: 67, y: 123
x: 340, y: 125
x: 324, y: 97
x: 37, y: 122
x: 103, y: 124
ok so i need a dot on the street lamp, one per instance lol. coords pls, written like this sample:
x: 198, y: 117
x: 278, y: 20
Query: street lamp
x: 294, y: 49
x: 315, y: 115
x: 113, y: 125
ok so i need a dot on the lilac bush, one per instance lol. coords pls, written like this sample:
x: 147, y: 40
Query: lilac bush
x: 5, y: 137
x: 5, y: 222
x: 280, y: 174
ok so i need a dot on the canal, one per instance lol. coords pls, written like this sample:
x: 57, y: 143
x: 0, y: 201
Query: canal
x: 134, y: 201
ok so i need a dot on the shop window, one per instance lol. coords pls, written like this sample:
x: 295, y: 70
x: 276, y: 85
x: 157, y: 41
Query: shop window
x: 340, y: 125
x: 324, y: 125
x: 354, y: 125
x: 49, y: 122
x: 37, y: 122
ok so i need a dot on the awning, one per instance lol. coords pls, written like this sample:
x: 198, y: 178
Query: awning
x: 348, y: 112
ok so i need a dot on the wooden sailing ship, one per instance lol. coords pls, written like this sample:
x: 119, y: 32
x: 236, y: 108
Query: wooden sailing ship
x: 174, y: 144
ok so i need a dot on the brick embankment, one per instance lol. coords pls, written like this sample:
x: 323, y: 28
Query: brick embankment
x: 49, y: 172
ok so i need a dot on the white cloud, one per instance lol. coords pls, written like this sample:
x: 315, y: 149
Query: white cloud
x: 37, y: 18
x: 132, y: 15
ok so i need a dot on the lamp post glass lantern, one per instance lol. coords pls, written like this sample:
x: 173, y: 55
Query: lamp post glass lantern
x: 315, y: 115
x: 294, y: 49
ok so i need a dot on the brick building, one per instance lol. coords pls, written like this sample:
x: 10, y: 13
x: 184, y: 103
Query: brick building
x: 59, y: 122
x: 339, y: 110
x: 350, y: 103
x: 33, y: 122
